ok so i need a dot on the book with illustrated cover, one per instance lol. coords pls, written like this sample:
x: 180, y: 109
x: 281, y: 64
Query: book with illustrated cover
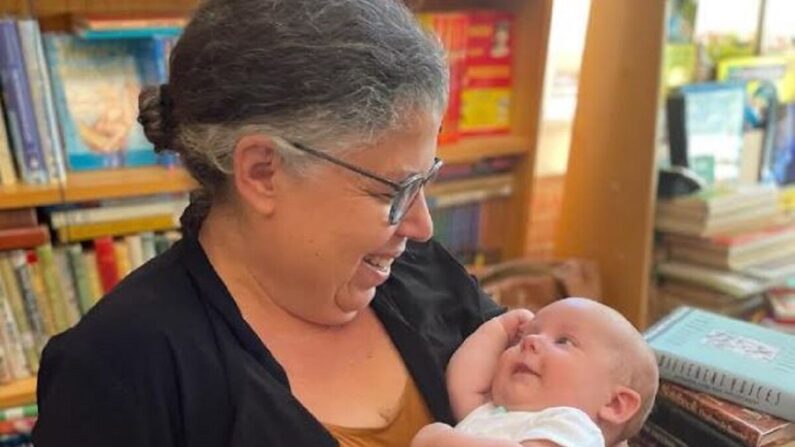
x: 96, y: 86
x: 753, y: 428
x: 738, y: 361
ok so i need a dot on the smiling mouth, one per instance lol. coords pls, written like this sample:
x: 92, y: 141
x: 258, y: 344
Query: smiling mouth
x: 380, y: 263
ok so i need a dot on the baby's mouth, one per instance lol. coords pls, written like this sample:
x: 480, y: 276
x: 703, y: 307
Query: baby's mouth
x: 521, y: 368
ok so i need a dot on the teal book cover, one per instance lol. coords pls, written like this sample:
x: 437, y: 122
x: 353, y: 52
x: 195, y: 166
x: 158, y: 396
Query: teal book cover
x: 95, y: 87
x: 742, y: 362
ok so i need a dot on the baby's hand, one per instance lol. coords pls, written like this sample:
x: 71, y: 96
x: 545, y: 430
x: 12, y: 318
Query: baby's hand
x: 515, y: 323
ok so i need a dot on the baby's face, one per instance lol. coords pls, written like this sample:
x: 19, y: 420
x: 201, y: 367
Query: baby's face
x: 564, y: 360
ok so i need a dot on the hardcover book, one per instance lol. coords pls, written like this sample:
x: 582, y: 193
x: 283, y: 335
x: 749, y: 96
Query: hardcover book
x: 753, y: 428
x: 96, y: 86
x: 735, y: 360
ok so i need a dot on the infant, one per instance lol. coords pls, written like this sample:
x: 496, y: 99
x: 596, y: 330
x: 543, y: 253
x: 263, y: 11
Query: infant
x: 577, y: 374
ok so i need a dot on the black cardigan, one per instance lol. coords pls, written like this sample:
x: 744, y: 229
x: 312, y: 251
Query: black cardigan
x: 166, y: 359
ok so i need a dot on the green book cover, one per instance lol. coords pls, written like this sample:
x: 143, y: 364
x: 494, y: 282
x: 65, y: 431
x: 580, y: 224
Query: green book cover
x: 52, y: 288
x: 736, y: 360
x: 77, y: 266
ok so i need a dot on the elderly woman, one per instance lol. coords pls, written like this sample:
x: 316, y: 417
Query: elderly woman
x: 306, y: 305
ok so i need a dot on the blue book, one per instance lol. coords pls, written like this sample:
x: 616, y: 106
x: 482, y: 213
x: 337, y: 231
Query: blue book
x: 95, y: 87
x: 739, y: 361
x: 19, y: 107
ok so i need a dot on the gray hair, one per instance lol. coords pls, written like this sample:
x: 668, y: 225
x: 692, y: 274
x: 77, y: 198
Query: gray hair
x: 327, y: 73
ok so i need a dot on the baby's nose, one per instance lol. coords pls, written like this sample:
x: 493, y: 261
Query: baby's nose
x: 531, y: 342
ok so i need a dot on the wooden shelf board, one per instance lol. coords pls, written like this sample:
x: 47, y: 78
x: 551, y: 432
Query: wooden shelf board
x: 23, y: 196
x: 108, y: 184
x: 471, y: 149
x: 18, y: 393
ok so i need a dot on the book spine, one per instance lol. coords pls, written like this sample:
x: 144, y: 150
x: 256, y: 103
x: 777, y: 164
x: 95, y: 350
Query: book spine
x: 7, y: 175
x: 29, y: 237
x: 64, y: 278
x: 726, y: 423
x: 106, y: 263
x: 17, y: 364
x: 135, y: 249
x: 46, y: 265
x: 21, y: 119
x: 18, y: 218
x: 36, y: 282
x: 92, y: 272
x: 77, y: 266
x: 26, y: 333
x: 148, y: 246
x: 738, y: 388
x: 60, y: 219
x: 34, y: 316
x: 24, y: 411
x: 122, y: 254
x: 27, y: 29
x: 84, y: 232
x: 689, y: 428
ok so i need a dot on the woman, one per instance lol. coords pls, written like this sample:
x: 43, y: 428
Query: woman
x: 306, y: 305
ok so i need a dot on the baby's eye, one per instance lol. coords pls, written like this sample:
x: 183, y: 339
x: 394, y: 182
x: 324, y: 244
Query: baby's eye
x: 563, y: 340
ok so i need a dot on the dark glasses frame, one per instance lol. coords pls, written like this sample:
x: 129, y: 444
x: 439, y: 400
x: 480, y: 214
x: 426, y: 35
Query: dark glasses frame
x: 406, y: 191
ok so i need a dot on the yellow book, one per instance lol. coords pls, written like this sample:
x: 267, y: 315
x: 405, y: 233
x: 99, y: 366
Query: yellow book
x: 122, y: 252
x: 42, y: 298
x: 88, y: 231
x: 52, y: 287
x: 92, y: 273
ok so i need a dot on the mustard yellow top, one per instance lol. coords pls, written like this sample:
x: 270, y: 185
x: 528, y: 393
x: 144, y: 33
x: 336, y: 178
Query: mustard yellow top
x: 409, y: 419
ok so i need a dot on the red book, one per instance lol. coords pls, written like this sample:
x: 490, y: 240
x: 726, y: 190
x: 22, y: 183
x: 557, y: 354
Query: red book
x: 452, y: 31
x: 106, y: 262
x: 24, y: 237
x: 753, y: 428
x: 24, y: 217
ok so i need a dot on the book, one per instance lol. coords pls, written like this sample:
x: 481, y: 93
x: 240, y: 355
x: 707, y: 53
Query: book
x: 78, y: 269
x: 45, y: 265
x: 753, y: 428
x: 674, y: 293
x: 65, y: 279
x: 12, y: 346
x: 486, y: 87
x: 735, y: 360
x: 19, y: 108
x: 782, y: 304
x: 39, y: 290
x: 705, y: 130
x: 7, y: 175
x: 17, y: 218
x: 24, y: 237
x: 117, y: 210
x: 35, y: 316
x: 730, y: 283
x: 41, y: 98
x: 122, y: 253
x: 27, y: 336
x: 127, y: 25
x: 734, y: 251
x: 465, y: 191
x: 779, y: 70
x: 106, y: 263
x: 96, y: 86
x: 88, y: 231
x: 687, y: 427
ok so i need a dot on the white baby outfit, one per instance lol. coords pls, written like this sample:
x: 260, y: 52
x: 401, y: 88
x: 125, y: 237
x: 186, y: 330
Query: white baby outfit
x: 565, y: 426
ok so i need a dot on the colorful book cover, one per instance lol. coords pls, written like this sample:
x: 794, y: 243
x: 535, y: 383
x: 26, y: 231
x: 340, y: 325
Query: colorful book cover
x: 19, y: 107
x: 753, y: 428
x: 486, y: 88
x: 780, y: 70
x: 96, y: 86
x: 106, y: 262
x: 732, y: 359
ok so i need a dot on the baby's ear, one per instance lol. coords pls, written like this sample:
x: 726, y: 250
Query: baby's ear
x: 623, y: 405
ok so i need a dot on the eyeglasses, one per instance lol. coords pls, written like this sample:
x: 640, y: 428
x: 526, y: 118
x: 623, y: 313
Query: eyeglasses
x: 406, y: 191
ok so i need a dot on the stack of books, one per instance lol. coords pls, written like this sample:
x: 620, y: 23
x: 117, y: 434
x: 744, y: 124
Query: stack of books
x: 723, y: 250
x: 724, y: 382
x: 16, y: 425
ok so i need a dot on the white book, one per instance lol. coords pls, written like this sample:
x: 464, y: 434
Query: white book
x: 121, y: 211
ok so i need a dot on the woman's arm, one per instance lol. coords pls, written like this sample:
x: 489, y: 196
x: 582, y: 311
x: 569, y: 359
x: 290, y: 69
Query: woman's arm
x: 473, y: 365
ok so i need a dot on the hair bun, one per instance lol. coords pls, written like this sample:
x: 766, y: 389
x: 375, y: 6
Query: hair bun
x: 155, y: 107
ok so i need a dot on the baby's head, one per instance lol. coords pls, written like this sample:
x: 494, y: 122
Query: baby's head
x: 580, y: 353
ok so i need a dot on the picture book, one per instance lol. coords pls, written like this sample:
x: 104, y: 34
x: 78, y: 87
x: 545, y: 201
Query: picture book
x: 486, y: 87
x: 96, y: 86
x: 780, y: 70
x: 705, y: 129
x: 738, y: 361
x: 755, y: 429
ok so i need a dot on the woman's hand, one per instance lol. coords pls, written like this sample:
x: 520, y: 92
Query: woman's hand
x: 515, y: 324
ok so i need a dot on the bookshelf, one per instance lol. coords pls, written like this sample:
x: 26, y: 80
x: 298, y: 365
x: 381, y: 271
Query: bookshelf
x: 607, y: 212
x: 531, y: 28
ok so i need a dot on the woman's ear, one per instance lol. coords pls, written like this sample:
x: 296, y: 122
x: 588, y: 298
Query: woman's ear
x: 256, y: 162
x: 623, y: 405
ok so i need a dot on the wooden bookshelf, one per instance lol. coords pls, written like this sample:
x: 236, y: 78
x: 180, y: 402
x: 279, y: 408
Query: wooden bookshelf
x: 96, y: 185
x: 18, y: 393
x: 472, y: 149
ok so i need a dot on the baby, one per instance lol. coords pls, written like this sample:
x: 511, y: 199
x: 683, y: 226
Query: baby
x: 576, y: 374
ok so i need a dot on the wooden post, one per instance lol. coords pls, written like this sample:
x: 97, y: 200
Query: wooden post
x: 610, y: 182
